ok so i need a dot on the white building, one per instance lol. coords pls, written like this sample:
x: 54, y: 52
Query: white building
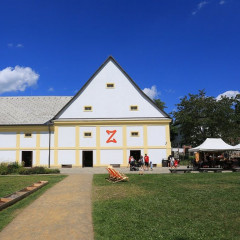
x: 109, y: 119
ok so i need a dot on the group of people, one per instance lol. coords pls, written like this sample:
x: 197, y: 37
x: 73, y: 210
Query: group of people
x: 172, y: 162
x: 143, y: 163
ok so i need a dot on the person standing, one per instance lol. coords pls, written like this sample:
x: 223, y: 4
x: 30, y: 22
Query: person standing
x: 172, y: 161
x: 146, y: 160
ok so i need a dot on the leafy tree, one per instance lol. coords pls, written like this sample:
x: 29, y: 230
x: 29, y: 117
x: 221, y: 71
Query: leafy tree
x: 160, y: 104
x: 199, y: 117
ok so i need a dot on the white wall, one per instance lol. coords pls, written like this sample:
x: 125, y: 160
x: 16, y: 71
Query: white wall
x: 7, y: 139
x: 66, y: 157
x: 28, y: 142
x: 135, y: 141
x: 44, y: 139
x: 110, y: 103
x: 44, y: 157
x: 156, y: 155
x: 87, y: 141
x: 156, y: 135
x: 7, y: 156
x: 111, y: 157
x: 105, y: 136
x: 66, y: 137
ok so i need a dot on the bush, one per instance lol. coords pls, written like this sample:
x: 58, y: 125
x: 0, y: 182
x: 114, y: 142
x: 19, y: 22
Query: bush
x: 25, y: 171
x: 38, y: 170
x: 10, y: 168
x: 13, y: 167
x: 3, y: 168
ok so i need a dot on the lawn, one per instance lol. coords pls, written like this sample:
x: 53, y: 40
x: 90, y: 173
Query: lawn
x: 10, y: 184
x: 168, y: 206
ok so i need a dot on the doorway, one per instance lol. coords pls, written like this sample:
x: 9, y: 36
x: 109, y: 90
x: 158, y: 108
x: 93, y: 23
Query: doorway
x: 87, y: 158
x: 136, y: 154
x: 27, y: 158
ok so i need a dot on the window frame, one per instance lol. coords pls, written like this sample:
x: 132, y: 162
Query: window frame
x: 26, y: 133
x: 110, y: 87
x: 87, y: 136
x: 133, y: 106
x: 133, y: 135
x: 86, y: 110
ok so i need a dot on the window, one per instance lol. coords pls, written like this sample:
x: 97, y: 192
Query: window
x: 87, y: 134
x: 110, y: 85
x: 134, y: 108
x: 87, y: 108
x: 28, y: 135
x: 134, y: 134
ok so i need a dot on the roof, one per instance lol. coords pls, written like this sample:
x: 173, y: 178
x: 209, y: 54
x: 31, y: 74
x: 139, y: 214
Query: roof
x: 35, y: 110
x: 237, y: 147
x: 212, y: 145
x: 110, y: 58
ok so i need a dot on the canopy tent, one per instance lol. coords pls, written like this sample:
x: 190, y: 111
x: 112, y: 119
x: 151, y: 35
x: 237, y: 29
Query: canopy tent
x: 213, y: 145
x: 237, y: 147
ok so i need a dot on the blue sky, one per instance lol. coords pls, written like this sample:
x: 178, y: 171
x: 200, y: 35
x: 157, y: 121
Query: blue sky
x: 178, y: 46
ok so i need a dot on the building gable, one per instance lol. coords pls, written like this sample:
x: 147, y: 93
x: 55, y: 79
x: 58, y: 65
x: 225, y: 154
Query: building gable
x: 110, y: 94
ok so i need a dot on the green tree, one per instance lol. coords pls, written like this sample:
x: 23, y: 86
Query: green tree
x: 199, y: 116
x: 161, y: 105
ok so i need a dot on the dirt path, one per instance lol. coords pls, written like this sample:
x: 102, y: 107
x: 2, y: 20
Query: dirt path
x: 63, y: 212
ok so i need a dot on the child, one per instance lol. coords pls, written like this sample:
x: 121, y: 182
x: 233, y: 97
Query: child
x: 151, y: 165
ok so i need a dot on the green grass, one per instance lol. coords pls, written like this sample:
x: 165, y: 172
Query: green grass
x: 178, y: 207
x: 10, y: 184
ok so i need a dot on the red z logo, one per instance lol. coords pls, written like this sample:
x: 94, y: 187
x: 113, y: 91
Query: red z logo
x: 110, y: 139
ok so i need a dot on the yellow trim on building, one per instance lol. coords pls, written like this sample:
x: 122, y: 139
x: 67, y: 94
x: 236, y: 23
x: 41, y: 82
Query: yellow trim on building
x: 37, y: 148
x: 89, y: 123
x: 168, y: 143
x: 77, y: 144
x: 55, y: 145
x: 18, y: 147
x: 124, y: 136
x: 145, y: 139
x: 98, y: 146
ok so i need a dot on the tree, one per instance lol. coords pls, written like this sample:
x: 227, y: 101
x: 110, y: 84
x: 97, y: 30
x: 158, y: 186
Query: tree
x: 161, y: 105
x: 199, y: 117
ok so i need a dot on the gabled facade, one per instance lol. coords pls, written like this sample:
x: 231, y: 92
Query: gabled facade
x: 108, y: 120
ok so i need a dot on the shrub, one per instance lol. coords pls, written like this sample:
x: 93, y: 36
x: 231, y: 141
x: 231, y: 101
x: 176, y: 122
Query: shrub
x: 38, y: 170
x: 25, y: 171
x: 13, y: 167
x: 3, y: 168
x: 52, y: 171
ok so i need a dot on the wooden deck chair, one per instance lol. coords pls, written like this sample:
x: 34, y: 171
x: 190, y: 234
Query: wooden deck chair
x: 120, y: 177
x: 112, y: 175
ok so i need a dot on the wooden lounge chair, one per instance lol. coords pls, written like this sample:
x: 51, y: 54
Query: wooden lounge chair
x: 116, y: 176
x: 120, y: 176
x: 112, y: 176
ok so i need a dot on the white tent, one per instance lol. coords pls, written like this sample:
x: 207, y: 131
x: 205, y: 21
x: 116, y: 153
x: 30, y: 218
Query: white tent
x: 237, y: 147
x: 213, y: 145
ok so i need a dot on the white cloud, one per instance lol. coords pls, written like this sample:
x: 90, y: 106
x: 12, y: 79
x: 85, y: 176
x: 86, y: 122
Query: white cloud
x: 222, y: 2
x: 51, y: 89
x: 151, y: 92
x: 17, y: 79
x: 19, y: 45
x: 228, y: 94
x: 200, y: 6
